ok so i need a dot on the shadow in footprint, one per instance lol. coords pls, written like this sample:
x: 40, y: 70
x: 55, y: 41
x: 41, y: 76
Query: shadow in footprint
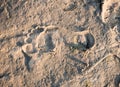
x: 1, y: 9
x: 90, y: 40
x: 100, y: 3
x: 49, y: 43
x: 117, y: 81
x: 4, y: 75
x: 76, y: 60
x: 27, y: 60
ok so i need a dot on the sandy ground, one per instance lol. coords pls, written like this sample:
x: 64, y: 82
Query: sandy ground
x: 59, y: 43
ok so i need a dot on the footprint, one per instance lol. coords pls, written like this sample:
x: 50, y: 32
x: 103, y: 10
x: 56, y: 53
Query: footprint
x: 39, y: 40
x: 83, y: 41
x: 36, y: 42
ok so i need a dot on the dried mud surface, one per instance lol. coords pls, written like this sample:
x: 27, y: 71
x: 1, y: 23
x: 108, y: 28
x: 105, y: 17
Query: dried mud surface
x: 59, y: 43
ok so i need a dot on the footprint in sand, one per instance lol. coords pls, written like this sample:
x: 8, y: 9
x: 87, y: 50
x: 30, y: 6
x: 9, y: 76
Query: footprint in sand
x: 40, y: 39
x: 83, y: 40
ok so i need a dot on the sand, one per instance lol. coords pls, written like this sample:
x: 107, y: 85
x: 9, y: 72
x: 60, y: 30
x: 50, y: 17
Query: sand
x: 59, y: 43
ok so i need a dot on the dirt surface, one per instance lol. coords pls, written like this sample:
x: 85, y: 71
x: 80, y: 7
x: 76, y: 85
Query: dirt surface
x: 59, y: 43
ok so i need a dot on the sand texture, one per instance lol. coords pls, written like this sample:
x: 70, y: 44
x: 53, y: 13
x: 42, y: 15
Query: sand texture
x: 59, y: 43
